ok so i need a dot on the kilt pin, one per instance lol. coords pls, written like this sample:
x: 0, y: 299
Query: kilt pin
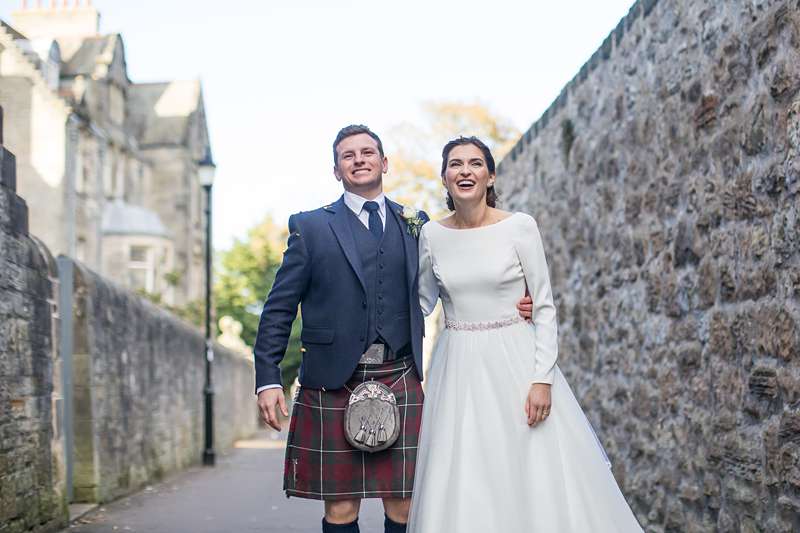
x: 355, y: 289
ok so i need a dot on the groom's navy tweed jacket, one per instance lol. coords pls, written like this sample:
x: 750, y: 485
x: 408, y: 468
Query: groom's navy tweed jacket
x: 321, y: 271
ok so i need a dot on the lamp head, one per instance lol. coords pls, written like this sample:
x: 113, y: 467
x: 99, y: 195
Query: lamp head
x: 206, y: 169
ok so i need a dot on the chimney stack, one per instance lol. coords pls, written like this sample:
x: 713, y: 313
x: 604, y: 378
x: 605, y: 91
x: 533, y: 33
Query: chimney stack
x: 60, y: 19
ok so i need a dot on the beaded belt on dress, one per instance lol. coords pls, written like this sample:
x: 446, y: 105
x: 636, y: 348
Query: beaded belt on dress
x: 462, y: 325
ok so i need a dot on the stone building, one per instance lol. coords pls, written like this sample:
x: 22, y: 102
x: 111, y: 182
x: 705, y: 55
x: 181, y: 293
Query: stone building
x: 109, y: 167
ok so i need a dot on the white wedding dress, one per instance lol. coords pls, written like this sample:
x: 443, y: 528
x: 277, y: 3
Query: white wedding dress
x: 480, y: 467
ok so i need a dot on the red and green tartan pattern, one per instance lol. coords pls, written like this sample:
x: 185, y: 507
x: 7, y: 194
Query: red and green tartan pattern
x: 321, y: 465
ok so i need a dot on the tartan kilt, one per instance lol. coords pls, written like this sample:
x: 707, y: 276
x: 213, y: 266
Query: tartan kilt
x: 320, y: 464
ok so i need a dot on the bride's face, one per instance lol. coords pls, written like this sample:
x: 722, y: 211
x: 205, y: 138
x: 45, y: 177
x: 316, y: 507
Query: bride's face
x: 466, y: 176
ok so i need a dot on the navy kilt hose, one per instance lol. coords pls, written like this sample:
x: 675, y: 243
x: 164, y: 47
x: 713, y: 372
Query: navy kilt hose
x: 322, y: 465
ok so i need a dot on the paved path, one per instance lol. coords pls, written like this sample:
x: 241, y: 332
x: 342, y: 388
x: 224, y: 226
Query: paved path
x: 241, y: 494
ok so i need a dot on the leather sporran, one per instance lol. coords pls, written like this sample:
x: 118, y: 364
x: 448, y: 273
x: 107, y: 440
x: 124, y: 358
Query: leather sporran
x: 372, y: 418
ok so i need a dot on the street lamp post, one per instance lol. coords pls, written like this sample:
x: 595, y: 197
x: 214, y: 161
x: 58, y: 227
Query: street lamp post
x: 206, y: 171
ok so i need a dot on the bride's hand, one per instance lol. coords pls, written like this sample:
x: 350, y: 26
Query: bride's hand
x: 537, y: 406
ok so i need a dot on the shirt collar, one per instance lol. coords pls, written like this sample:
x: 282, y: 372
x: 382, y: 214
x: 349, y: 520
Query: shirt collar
x: 356, y: 202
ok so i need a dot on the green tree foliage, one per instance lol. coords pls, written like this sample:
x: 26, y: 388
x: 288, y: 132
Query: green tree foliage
x: 415, y: 160
x: 245, y: 274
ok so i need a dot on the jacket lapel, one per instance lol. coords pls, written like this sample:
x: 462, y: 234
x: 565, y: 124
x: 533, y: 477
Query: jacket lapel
x: 344, y: 234
x: 409, y: 243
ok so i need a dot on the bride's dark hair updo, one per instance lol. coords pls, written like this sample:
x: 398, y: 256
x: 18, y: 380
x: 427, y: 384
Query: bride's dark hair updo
x: 491, y: 195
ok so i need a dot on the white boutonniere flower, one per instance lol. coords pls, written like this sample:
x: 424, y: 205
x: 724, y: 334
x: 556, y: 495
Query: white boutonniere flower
x: 413, y: 220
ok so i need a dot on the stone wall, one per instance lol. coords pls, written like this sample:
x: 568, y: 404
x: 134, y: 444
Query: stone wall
x: 665, y: 181
x: 139, y: 374
x: 32, y: 495
x: 135, y: 377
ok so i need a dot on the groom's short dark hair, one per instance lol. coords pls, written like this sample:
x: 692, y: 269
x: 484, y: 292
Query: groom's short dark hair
x: 349, y: 131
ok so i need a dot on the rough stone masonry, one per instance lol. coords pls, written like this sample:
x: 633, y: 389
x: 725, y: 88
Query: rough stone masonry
x: 31, y: 454
x: 665, y: 181
x: 138, y: 384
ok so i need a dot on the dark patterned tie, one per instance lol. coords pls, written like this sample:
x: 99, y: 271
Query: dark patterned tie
x: 375, y: 224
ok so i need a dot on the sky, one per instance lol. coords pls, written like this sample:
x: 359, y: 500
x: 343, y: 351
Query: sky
x: 281, y: 77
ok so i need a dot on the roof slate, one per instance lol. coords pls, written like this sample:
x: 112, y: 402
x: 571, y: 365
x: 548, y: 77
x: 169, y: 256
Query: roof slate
x: 160, y: 112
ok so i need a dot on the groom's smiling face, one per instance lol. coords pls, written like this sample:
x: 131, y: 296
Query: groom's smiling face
x: 360, y: 165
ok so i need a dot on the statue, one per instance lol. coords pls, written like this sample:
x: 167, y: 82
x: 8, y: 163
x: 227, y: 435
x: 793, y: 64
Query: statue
x: 231, y: 336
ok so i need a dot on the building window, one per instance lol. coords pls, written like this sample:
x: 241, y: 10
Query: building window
x: 80, y: 249
x: 141, y: 269
x: 139, y: 254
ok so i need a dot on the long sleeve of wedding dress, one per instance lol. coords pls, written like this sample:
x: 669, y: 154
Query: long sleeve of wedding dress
x: 428, y: 288
x: 530, y: 251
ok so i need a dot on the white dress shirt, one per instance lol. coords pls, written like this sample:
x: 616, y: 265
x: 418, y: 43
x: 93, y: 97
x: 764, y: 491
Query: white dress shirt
x: 356, y: 204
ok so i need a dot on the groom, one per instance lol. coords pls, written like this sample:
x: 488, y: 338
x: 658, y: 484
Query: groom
x: 352, y: 267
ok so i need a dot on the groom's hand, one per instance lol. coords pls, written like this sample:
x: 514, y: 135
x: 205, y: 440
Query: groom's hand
x: 268, y: 401
x: 525, y: 308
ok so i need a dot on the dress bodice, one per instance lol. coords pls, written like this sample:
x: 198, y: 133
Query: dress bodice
x: 481, y: 273
x: 478, y: 274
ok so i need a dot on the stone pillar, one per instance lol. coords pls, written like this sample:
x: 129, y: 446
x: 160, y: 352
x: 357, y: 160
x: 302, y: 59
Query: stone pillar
x: 32, y: 495
x: 15, y: 211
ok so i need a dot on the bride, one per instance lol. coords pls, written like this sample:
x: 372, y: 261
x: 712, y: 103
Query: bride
x: 504, y: 445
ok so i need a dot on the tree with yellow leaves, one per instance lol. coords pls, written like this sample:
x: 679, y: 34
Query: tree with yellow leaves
x: 414, y: 161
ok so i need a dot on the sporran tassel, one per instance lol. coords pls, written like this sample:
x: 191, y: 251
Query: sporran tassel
x: 371, y: 441
x: 361, y: 435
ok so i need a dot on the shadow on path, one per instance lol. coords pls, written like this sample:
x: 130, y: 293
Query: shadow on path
x: 241, y: 494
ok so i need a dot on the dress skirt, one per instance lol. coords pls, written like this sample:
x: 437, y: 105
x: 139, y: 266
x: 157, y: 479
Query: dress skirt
x: 481, y: 468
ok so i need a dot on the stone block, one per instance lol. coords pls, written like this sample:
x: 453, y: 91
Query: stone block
x: 8, y: 170
x: 19, y: 213
x: 790, y: 465
x: 647, y: 6
x: 721, y: 342
x: 789, y: 431
x: 780, y: 336
x: 756, y: 284
x: 727, y: 285
x: 8, y: 500
x: 5, y: 209
x: 687, y: 248
x: 763, y: 383
x: 785, y: 235
x: 707, y: 283
x: 690, y: 357
x: 785, y: 82
x: 705, y: 115
x: 789, y: 386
